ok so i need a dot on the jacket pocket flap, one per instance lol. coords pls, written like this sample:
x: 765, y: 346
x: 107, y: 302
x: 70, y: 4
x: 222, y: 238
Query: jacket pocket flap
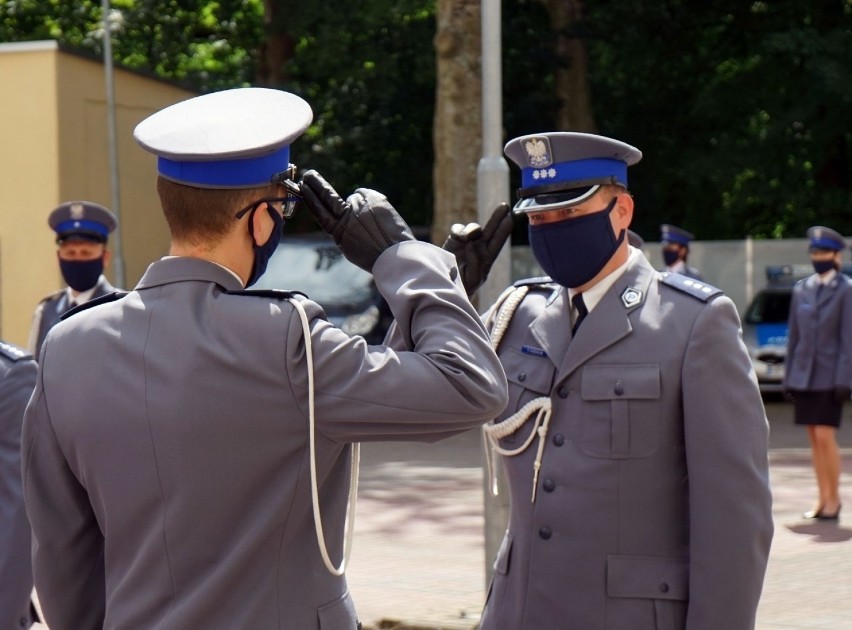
x: 647, y: 577
x: 613, y: 382
x: 528, y: 371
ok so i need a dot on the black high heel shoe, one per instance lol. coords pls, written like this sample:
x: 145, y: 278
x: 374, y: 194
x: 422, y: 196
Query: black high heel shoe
x: 822, y: 516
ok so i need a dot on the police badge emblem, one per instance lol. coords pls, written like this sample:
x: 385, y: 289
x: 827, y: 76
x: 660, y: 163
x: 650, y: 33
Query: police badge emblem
x: 631, y: 297
x: 76, y: 210
x: 538, y: 152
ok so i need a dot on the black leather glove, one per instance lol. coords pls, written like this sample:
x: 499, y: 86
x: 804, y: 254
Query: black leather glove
x: 476, y: 248
x: 363, y: 226
x: 842, y: 393
x: 788, y: 395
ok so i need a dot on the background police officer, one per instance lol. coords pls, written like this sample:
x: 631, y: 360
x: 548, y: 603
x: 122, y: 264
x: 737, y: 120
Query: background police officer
x: 818, y: 373
x: 82, y: 230
x: 675, y: 243
x: 17, y: 380
x: 635, y: 440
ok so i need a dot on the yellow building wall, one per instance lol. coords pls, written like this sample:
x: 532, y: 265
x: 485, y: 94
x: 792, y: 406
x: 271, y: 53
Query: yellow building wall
x: 56, y: 136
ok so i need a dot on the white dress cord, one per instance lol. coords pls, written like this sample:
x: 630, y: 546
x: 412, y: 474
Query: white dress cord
x: 497, y: 321
x: 349, y: 524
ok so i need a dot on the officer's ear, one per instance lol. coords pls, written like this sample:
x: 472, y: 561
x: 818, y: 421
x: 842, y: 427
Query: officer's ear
x: 107, y: 256
x: 623, y: 215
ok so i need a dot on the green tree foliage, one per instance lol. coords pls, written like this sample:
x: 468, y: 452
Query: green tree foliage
x: 742, y: 110
x: 205, y: 44
x: 368, y: 70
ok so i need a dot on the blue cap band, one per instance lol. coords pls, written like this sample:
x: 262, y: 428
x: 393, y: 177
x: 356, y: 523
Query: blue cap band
x: 81, y: 225
x: 826, y: 243
x: 674, y: 237
x: 233, y: 173
x: 575, y: 171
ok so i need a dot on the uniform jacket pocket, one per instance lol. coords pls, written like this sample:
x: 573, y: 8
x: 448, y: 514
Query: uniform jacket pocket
x: 648, y: 577
x: 621, y: 410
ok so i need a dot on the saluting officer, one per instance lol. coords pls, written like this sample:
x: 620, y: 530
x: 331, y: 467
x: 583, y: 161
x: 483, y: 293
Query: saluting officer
x: 82, y: 230
x: 200, y: 477
x: 635, y: 439
x: 17, y: 380
x: 675, y: 243
x: 818, y: 374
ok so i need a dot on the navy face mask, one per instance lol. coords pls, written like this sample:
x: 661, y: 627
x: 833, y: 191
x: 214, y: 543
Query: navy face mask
x: 81, y: 275
x: 262, y: 253
x: 573, y: 251
x: 670, y: 256
x: 823, y: 266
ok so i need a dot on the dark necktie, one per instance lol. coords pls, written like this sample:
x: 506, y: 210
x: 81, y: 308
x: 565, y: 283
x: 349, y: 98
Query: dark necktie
x: 582, y: 311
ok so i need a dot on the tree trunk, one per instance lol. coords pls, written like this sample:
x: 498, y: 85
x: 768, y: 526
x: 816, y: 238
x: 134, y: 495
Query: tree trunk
x: 278, y: 47
x: 457, y: 130
x: 572, y: 84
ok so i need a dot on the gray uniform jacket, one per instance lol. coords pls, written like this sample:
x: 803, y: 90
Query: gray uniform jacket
x: 52, y: 307
x: 819, y: 341
x: 168, y: 483
x: 653, y: 508
x: 17, y: 380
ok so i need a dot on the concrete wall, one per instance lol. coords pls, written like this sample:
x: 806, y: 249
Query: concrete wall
x: 53, y: 122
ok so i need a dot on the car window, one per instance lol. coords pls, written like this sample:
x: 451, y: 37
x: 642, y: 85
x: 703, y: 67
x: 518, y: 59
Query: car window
x: 318, y: 269
x: 769, y: 307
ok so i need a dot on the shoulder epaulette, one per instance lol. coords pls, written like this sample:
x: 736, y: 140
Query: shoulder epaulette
x: 277, y: 294
x: 542, y: 281
x: 695, y: 288
x: 13, y: 353
x: 52, y: 296
x: 109, y: 297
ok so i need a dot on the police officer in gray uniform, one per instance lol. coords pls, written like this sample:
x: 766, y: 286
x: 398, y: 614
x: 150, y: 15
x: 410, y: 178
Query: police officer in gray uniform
x: 200, y: 477
x: 635, y: 439
x: 17, y: 380
x: 82, y: 230
x: 818, y: 374
x: 675, y: 242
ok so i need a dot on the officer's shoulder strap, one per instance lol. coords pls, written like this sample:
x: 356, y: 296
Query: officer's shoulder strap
x: 104, y: 299
x: 539, y: 282
x: 13, y: 352
x: 696, y: 288
x: 275, y: 294
x: 52, y: 296
x: 500, y: 315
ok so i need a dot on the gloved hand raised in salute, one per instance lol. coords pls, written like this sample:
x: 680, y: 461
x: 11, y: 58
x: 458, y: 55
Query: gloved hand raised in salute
x: 476, y: 248
x: 363, y: 226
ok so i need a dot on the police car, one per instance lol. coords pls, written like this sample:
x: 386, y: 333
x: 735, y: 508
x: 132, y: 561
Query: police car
x: 765, y: 323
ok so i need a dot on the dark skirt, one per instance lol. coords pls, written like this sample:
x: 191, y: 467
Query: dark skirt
x: 817, y: 408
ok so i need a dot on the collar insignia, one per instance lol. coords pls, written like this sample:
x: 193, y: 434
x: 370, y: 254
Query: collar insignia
x: 631, y: 297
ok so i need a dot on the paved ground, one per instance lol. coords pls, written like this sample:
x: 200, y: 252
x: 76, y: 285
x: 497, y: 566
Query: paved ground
x: 418, y: 559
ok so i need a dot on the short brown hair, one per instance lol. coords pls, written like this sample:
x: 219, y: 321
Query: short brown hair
x: 202, y: 215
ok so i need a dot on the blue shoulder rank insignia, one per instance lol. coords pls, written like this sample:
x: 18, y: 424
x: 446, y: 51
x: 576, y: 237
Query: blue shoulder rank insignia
x: 695, y: 288
x: 13, y: 353
x: 109, y: 297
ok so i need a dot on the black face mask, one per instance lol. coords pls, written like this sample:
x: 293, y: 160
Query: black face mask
x: 81, y: 275
x: 824, y: 266
x: 262, y: 253
x: 573, y: 251
x: 670, y: 256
